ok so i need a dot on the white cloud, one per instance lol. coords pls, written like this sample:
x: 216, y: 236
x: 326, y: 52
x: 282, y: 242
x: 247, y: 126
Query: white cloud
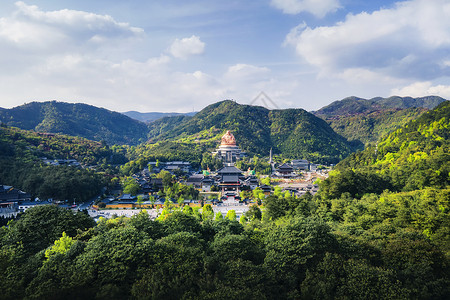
x: 74, y: 20
x: 410, y: 40
x: 423, y: 88
x: 246, y: 72
x: 62, y: 29
x: 186, y: 47
x: 319, y: 8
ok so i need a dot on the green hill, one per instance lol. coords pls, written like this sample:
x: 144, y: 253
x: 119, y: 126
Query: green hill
x: 355, y: 105
x: 294, y: 133
x: 77, y: 120
x: 413, y: 157
x: 22, y: 165
x: 367, y: 121
x: 368, y: 128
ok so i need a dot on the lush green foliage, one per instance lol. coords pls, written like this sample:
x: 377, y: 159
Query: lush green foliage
x: 298, y: 134
x: 413, y: 157
x: 355, y: 105
x: 188, y: 255
x: 367, y: 121
x: 294, y: 132
x: 368, y: 128
x: 77, y: 120
x: 21, y: 164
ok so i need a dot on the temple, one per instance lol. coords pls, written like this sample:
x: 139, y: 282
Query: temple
x: 230, y: 183
x: 228, y: 150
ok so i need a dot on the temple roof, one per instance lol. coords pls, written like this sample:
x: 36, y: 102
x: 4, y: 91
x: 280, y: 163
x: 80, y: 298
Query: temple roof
x: 229, y: 170
x: 285, y: 167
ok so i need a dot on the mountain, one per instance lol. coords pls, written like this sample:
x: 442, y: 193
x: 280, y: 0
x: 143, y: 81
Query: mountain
x: 77, y: 120
x: 295, y: 133
x: 153, y: 116
x: 355, y: 105
x: 412, y: 157
x: 367, y: 121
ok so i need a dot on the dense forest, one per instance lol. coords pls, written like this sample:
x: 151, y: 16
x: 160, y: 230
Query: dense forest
x: 367, y: 121
x: 378, y: 229
x: 368, y: 128
x: 22, y: 165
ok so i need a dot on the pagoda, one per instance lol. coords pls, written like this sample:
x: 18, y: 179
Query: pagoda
x: 228, y: 150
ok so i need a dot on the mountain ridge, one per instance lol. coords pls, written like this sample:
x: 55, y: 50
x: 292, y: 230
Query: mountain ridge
x: 77, y: 119
x: 148, y: 117
x: 355, y: 105
x: 295, y: 133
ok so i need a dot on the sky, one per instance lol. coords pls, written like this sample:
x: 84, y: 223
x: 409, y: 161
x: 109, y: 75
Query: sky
x: 182, y: 55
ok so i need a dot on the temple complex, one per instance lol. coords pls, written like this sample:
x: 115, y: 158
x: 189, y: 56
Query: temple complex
x: 229, y: 176
x: 230, y: 183
x: 228, y: 150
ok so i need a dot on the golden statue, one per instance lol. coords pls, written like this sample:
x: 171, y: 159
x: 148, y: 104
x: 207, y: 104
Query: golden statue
x: 228, y: 139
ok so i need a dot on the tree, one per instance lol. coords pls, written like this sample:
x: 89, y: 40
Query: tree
x: 218, y: 216
x: 52, y: 220
x: 265, y: 180
x: 253, y: 213
x: 294, y: 247
x: 207, y: 212
x: 130, y: 186
x: 166, y: 177
x: 231, y: 215
x: 60, y: 246
x: 140, y: 200
x: 243, y: 220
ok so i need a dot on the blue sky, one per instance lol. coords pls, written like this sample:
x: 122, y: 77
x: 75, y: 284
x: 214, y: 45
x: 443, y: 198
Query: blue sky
x: 183, y: 55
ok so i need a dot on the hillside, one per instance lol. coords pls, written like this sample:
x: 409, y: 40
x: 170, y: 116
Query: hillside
x: 413, y: 157
x: 367, y: 121
x: 355, y: 105
x: 22, y: 165
x: 153, y: 116
x: 77, y: 120
x: 293, y: 132
x: 368, y: 128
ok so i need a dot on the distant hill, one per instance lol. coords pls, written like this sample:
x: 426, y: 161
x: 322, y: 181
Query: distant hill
x: 77, y: 120
x: 295, y: 133
x: 367, y: 121
x: 355, y: 105
x: 412, y: 157
x: 153, y: 116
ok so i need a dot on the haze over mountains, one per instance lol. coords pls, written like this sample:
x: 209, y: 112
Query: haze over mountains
x: 352, y: 122
x: 153, y: 116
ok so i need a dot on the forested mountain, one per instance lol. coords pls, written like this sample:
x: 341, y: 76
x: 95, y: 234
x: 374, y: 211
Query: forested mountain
x: 76, y: 120
x: 153, y: 116
x: 294, y: 133
x: 355, y: 105
x: 367, y: 121
x: 368, y: 128
x: 412, y: 157
x: 21, y: 163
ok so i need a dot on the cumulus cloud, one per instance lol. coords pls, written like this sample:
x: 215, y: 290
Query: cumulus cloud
x: 319, y: 8
x: 409, y: 40
x: 423, y: 88
x: 187, y: 47
x: 30, y: 25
